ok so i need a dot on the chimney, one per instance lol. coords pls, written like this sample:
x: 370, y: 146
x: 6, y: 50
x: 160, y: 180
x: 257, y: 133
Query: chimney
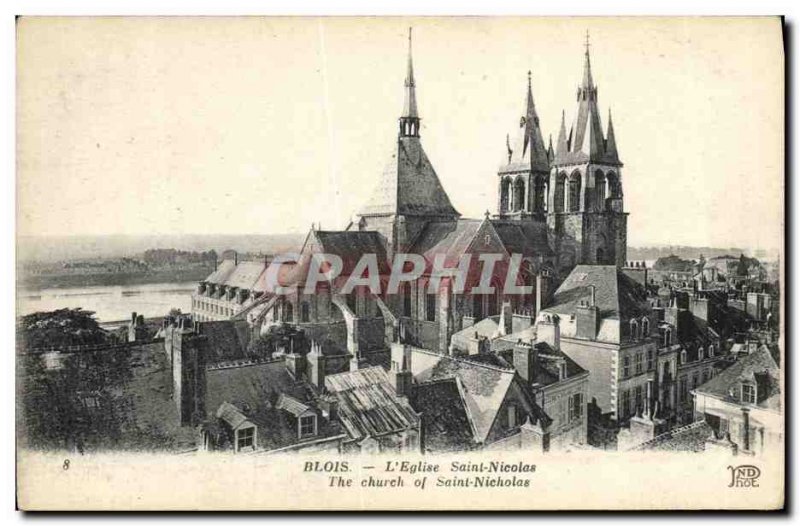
x: 133, y: 318
x: 648, y: 398
x: 548, y: 330
x: 586, y: 317
x: 505, y: 324
x: 331, y: 406
x: 562, y: 369
x: 235, y: 258
x: 525, y: 358
x: 316, y: 365
x: 295, y: 365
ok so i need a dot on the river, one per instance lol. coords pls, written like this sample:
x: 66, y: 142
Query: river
x: 111, y: 303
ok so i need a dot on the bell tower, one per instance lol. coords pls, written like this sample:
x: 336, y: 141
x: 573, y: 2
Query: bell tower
x: 586, y: 220
x: 523, y: 176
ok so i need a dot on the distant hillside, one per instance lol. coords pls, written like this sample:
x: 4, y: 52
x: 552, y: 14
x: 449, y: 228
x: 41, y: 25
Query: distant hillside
x: 63, y: 248
x: 689, y: 253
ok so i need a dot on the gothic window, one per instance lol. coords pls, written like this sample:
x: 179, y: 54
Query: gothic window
x: 304, y: 312
x: 558, y: 194
x: 683, y: 356
x: 477, y: 306
x: 494, y: 300
x: 539, y: 193
x: 601, y: 256
x: 600, y: 190
x: 288, y: 312
x: 430, y: 307
x: 519, y: 194
x: 574, y: 203
x: 645, y: 327
x: 612, y: 185
x: 406, y: 291
x: 504, y: 186
x: 667, y: 338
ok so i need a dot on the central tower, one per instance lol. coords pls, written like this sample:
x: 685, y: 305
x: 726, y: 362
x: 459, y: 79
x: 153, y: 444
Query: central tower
x: 409, y: 194
x: 585, y: 217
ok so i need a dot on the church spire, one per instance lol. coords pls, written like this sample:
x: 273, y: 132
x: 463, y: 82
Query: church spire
x: 529, y: 148
x: 611, y: 142
x: 587, y: 83
x: 409, y: 120
x: 562, y: 147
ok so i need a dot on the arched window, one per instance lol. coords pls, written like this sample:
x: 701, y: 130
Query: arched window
x: 304, y: 312
x: 288, y: 312
x: 634, y: 330
x: 701, y: 353
x: 600, y: 256
x: 600, y: 190
x: 612, y: 185
x: 683, y: 356
x: 667, y: 338
x: 558, y: 194
x: 539, y: 193
x: 645, y: 327
x: 574, y: 198
x: 504, y: 188
x: 711, y: 351
x: 406, y: 291
x: 519, y: 194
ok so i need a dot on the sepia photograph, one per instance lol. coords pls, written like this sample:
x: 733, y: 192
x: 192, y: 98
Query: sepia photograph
x: 400, y: 263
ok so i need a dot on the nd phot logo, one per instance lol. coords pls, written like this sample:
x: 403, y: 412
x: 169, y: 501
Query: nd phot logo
x: 745, y: 476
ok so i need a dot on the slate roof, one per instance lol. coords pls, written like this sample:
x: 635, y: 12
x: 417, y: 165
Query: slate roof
x: 758, y: 366
x: 245, y: 274
x: 230, y: 415
x: 528, y: 238
x: 351, y: 245
x: 368, y: 405
x: 222, y: 272
x: 409, y: 185
x: 616, y: 295
x: 486, y: 379
x: 691, y: 438
x: 442, y: 404
x: 486, y: 328
x: 291, y: 405
x: 451, y: 238
x: 225, y: 341
x: 254, y: 391
x: 547, y: 372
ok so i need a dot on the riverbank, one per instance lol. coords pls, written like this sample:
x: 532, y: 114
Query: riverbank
x: 111, y: 279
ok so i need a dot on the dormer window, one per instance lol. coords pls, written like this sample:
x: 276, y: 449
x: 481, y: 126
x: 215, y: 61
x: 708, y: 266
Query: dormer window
x: 683, y: 356
x: 308, y: 425
x: 710, y: 351
x: 245, y: 439
x: 634, y: 330
x: 701, y: 353
x: 645, y: 327
x: 748, y: 393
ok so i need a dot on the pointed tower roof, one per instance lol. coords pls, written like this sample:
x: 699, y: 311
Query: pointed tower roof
x: 562, y: 147
x: 528, y: 151
x: 409, y: 184
x: 410, y: 102
x: 586, y: 142
x: 611, y: 142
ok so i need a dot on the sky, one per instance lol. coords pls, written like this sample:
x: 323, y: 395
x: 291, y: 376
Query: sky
x: 259, y: 125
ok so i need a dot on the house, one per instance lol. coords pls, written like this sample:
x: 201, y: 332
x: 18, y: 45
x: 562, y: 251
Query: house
x: 375, y: 412
x: 472, y: 402
x: 743, y: 405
